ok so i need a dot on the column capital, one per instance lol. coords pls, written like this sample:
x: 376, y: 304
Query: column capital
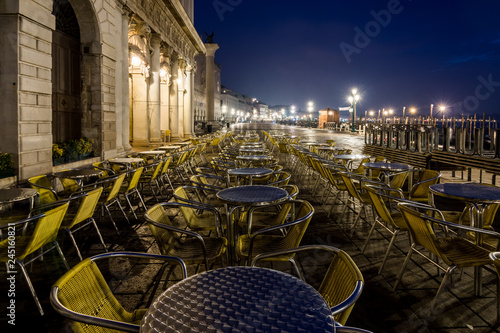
x: 155, y: 40
x: 211, y: 48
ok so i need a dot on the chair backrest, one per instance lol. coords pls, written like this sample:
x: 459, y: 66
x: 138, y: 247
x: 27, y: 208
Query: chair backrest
x: 295, y: 233
x: 398, y: 180
x: 425, y: 180
x: 349, y: 184
x: 116, y: 182
x: 361, y: 168
x: 166, y: 165
x: 44, y: 187
x: 135, y: 176
x: 421, y: 230
x: 86, y: 208
x: 342, y: 281
x: 379, y: 204
x: 45, y: 230
x: 166, y: 239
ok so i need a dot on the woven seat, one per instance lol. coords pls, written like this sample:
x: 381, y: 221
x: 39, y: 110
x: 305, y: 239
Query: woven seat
x: 84, y: 296
x: 453, y: 250
x: 45, y: 229
x: 185, y: 244
x: 342, y: 284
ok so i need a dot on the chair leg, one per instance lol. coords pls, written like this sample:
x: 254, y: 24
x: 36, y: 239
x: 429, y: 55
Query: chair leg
x: 442, y: 286
x: 30, y: 285
x: 403, y: 268
x: 99, y: 234
x: 395, y: 233
x: 369, y: 236
x: 111, y: 218
x: 74, y: 243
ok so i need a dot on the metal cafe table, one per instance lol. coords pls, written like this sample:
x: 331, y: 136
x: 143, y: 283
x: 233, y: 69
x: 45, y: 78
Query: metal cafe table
x: 249, y: 173
x: 80, y: 175
x: 249, y: 159
x: 349, y: 158
x: 388, y: 168
x: 127, y: 161
x: 155, y: 153
x: 239, y: 299
x: 476, y: 196
x: 244, y: 197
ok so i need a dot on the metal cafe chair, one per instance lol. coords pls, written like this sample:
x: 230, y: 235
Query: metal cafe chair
x: 342, y: 283
x: 131, y: 188
x: 188, y: 245
x: 452, y: 249
x: 270, y: 240
x: 45, y: 229
x: 79, y: 214
x: 84, y: 296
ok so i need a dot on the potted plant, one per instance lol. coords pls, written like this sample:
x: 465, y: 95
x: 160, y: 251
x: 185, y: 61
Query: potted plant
x: 58, y: 153
x: 6, y: 165
x: 84, y: 147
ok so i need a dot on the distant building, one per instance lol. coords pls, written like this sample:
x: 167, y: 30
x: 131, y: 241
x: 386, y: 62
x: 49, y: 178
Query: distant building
x: 328, y: 115
x: 234, y: 106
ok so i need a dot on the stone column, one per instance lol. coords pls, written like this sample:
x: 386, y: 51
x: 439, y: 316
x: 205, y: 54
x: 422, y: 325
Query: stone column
x: 154, y: 91
x: 180, y: 98
x: 188, y: 103
x: 125, y: 98
x: 210, y: 55
x: 165, y: 82
x: 174, y: 104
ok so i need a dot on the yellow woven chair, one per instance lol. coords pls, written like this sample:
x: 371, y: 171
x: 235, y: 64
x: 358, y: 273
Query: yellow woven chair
x: 151, y: 178
x: 83, y: 216
x: 43, y: 185
x: 84, y: 296
x: 267, y: 240
x: 109, y: 196
x: 131, y: 188
x: 356, y: 196
x: 175, y: 241
x: 420, y: 190
x: 203, y: 220
x: 451, y: 249
x: 392, y: 221
x: 45, y: 229
x: 360, y: 170
x: 342, y: 284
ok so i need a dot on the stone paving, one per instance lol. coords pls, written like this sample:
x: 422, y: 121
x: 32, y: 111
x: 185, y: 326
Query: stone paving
x: 379, y: 309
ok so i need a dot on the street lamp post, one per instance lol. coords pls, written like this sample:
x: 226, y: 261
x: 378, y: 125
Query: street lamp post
x: 310, y: 108
x: 353, y: 99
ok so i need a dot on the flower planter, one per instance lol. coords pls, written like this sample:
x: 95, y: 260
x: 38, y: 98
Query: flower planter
x: 85, y: 156
x: 58, y: 161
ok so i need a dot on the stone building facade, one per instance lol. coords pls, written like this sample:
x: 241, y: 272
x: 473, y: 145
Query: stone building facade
x: 119, y: 72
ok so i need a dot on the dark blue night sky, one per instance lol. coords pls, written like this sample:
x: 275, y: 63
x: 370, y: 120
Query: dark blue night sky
x: 397, y: 53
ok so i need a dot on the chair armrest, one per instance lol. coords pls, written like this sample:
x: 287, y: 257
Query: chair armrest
x: 141, y: 255
x: 45, y: 188
x: 108, y: 323
x: 423, y: 182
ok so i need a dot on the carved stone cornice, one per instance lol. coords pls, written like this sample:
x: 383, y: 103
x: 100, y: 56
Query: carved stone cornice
x: 159, y: 16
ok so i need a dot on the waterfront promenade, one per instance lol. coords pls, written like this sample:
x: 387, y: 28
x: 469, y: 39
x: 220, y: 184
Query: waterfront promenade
x: 379, y: 309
